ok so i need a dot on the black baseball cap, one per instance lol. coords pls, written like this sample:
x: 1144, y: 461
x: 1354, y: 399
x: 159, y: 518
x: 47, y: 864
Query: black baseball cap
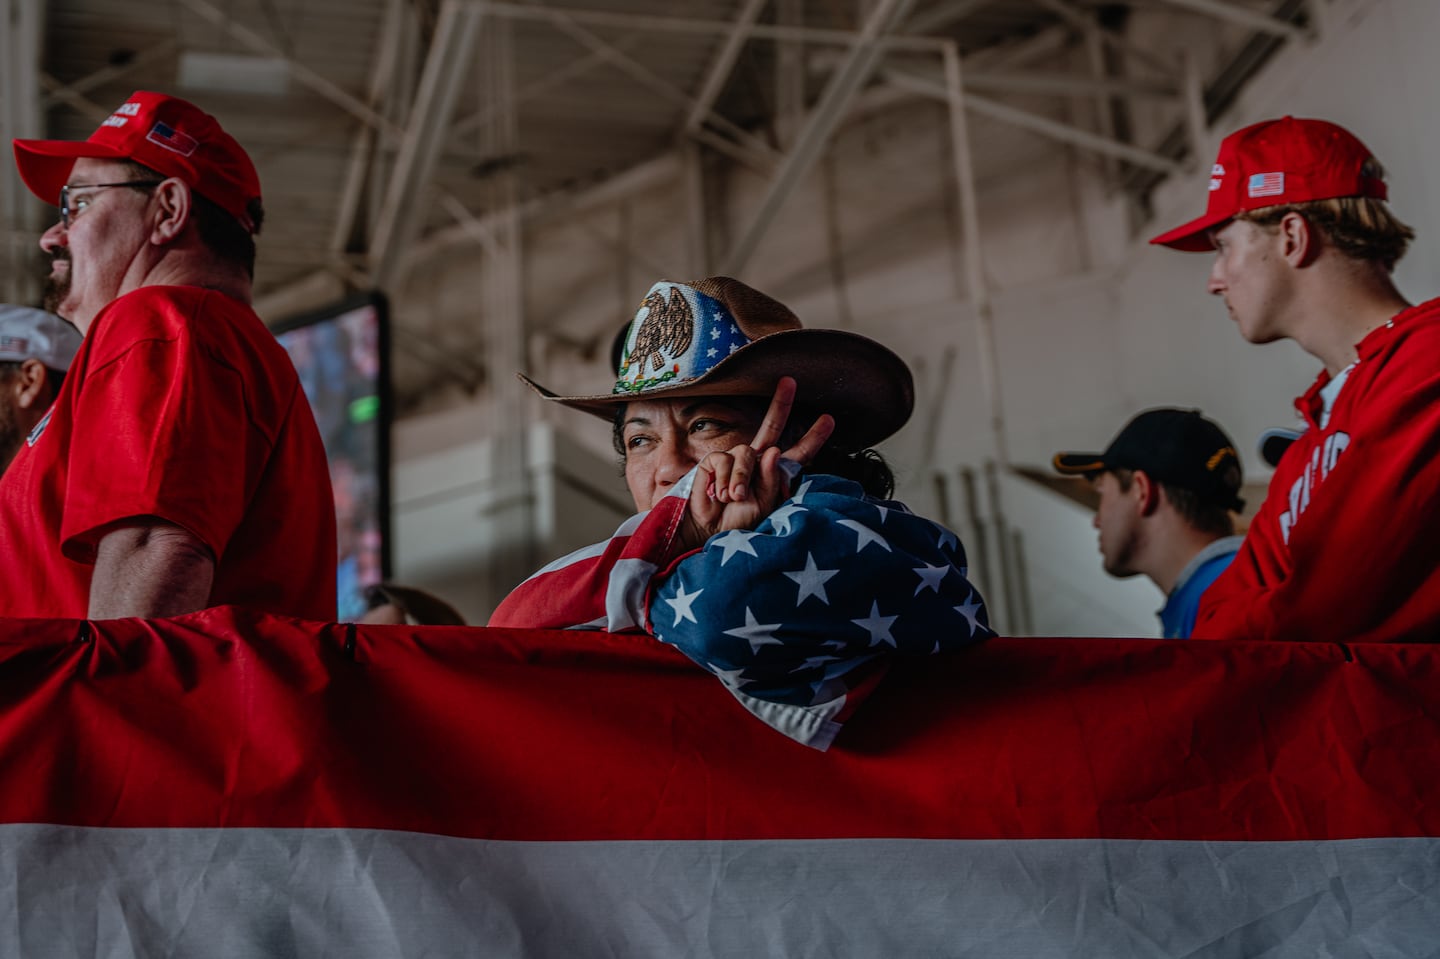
x: 1274, y: 443
x: 1177, y: 447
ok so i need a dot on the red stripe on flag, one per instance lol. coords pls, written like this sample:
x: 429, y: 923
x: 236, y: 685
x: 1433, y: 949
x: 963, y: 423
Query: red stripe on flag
x: 227, y: 718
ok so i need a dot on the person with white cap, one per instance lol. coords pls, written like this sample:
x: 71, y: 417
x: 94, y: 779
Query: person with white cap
x: 181, y: 466
x: 768, y: 553
x: 1344, y: 546
x: 36, y: 349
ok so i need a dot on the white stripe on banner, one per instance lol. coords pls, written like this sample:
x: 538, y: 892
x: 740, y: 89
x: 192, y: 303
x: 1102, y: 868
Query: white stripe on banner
x: 232, y: 893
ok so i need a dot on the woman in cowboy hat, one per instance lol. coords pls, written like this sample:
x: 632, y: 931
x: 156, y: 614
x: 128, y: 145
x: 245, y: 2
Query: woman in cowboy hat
x: 766, y: 552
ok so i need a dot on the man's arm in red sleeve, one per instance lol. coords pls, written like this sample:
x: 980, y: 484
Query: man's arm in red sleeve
x: 1363, y: 560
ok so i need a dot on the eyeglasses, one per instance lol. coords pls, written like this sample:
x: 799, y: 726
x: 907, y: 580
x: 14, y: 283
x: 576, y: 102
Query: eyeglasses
x: 68, y: 212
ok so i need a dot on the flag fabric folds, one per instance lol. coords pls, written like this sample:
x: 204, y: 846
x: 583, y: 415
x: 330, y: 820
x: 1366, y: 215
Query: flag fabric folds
x: 233, y: 784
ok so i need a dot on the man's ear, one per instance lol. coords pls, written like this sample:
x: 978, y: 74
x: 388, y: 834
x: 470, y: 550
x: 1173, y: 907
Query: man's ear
x: 174, y: 206
x: 1299, y: 240
x: 32, y: 385
x: 1146, y: 492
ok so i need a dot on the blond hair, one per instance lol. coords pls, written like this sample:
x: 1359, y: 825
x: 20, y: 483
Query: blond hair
x: 1361, y: 227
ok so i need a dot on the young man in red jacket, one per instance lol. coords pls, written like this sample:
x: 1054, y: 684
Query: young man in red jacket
x: 1345, y: 546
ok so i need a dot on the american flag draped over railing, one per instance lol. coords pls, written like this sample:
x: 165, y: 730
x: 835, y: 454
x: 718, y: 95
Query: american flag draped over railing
x: 797, y: 617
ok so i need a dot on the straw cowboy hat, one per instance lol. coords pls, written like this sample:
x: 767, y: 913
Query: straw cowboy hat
x: 719, y: 337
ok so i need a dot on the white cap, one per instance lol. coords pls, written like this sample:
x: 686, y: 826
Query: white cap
x: 27, y: 333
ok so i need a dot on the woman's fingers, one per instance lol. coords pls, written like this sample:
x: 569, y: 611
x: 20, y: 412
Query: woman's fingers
x: 731, y: 473
x: 815, y: 438
x: 772, y: 427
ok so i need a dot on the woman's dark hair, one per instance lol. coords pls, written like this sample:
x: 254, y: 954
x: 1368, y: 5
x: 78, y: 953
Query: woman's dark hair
x: 866, y: 467
x: 426, y: 609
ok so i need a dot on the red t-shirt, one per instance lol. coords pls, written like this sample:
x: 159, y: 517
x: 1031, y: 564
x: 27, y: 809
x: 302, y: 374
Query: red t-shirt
x: 181, y: 405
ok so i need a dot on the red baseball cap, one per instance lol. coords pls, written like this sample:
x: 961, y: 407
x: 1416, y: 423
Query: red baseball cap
x: 1273, y: 163
x: 162, y: 132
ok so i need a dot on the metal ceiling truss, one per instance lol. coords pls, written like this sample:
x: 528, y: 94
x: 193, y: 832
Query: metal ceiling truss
x: 387, y: 192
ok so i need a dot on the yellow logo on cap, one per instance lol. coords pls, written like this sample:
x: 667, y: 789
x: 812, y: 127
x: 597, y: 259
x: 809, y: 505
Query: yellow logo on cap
x: 1220, y: 454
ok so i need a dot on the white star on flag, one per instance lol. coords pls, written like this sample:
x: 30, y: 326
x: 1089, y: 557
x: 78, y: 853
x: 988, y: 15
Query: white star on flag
x: 780, y: 519
x: 683, y: 604
x: 756, y: 634
x: 736, y: 541
x: 947, y: 538
x: 799, y: 496
x: 734, y: 347
x: 734, y: 678
x: 814, y: 661
x: 715, y: 333
x: 884, y: 512
x: 711, y: 353
x: 865, y: 535
x: 812, y: 581
x: 877, y: 626
x: 969, y: 610
x: 930, y: 577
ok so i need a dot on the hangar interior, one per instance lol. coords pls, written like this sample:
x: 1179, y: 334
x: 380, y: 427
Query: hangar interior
x: 971, y: 182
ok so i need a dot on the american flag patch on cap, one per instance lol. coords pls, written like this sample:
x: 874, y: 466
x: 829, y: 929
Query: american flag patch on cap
x: 1267, y: 184
x: 14, y: 344
x: 164, y: 135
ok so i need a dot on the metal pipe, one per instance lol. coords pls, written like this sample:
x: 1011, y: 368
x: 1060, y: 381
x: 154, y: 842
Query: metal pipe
x: 695, y: 26
x: 978, y: 293
x: 1241, y: 15
x: 400, y: 215
x: 818, y: 127
x: 1196, y: 122
x: 977, y: 289
x: 1036, y: 123
x: 723, y: 63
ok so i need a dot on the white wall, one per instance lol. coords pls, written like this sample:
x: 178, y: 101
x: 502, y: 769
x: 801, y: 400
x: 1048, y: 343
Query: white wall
x: 1093, y: 324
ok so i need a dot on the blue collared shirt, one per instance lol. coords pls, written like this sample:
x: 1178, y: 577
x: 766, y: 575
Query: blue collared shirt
x: 1178, y: 616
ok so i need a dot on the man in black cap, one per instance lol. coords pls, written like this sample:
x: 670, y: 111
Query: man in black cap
x: 1168, y: 483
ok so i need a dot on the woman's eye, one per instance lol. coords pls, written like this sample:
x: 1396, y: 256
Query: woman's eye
x: 78, y: 206
x: 707, y: 426
x: 636, y: 442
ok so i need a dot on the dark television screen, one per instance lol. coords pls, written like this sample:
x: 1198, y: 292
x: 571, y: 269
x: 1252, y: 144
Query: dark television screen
x: 342, y: 356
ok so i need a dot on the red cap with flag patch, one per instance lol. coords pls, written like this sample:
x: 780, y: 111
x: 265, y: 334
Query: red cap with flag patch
x: 1290, y: 160
x: 167, y: 134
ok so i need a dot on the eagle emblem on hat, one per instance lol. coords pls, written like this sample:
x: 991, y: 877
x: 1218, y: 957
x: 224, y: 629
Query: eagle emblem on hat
x: 668, y: 327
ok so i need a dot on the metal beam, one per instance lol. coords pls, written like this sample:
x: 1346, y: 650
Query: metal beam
x: 1196, y: 122
x: 1085, y: 22
x: 569, y: 23
x: 402, y: 210
x: 647, y: 23
x: 1070, y: 85
x: 109, y: 74
x: 821, y: 123
x: 21, y: 41
x: 1241, y: 15
x: 789, y: 74
x: 552, y: 80
x: 1037, y: 124
x: 306, y: 76
x: 648, y: 176
x: 942, y: 15
x: 75, y: 101
x: 394, y: 33
x: 723, y: 63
